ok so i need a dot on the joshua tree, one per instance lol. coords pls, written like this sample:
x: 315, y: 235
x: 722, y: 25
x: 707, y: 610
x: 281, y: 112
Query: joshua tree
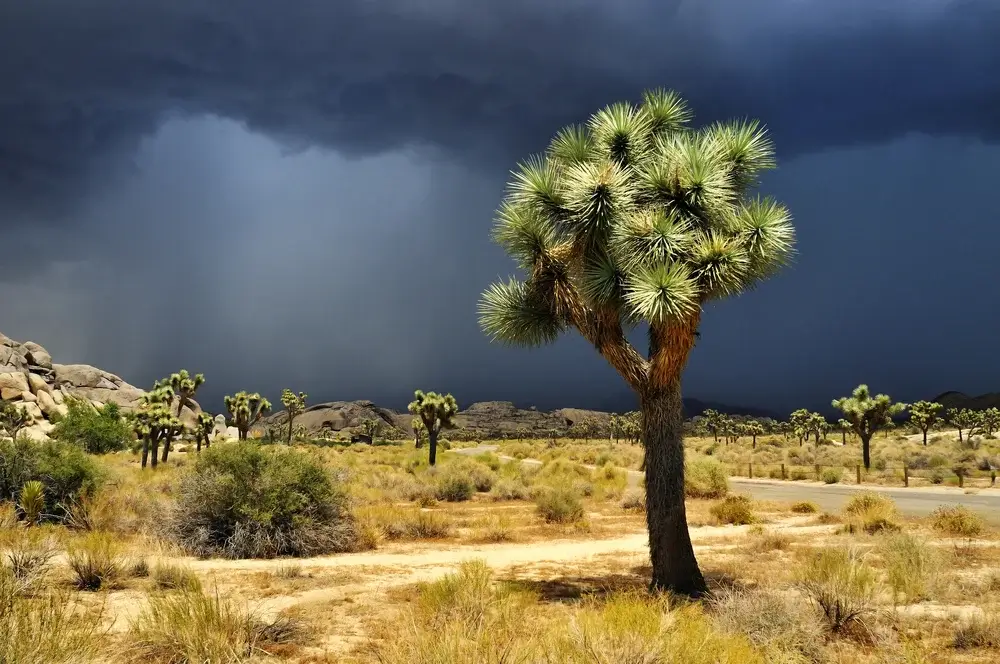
x: 184, y: 387
x: 245, y: 410
x: 637, y: 218
x: 991, y: 420
x: 13, y: 418
x: 294, y: 405
x: 371, y: 428
x: 713, y: 421
x: 924, y: 415
x: 818, y: 425
x: 155, y: 422
x: 799, y: 421
x: 753, y: 428
x: 204, y: 426
x: 437, y: 412
x: 970, y: 421
x: 419, y: 431
x: 844, y: 426
x: 866, y: 415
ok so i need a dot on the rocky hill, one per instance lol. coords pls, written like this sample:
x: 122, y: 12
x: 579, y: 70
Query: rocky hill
x: 960, y: 400
x: 30, y: 378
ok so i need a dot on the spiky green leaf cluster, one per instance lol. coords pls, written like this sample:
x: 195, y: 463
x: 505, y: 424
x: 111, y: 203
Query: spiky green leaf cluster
x: 867, y: 413
x: 183, y: 386
x: 637, y: 214
x: 925, y: 414
x: 293, y: 403
x: 154, y: 421
x: 245, y: 410
x: 437, y: 411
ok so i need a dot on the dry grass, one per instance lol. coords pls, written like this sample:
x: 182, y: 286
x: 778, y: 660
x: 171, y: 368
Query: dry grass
x: 735, y: 509
x: 871, y: 512
x: 97, y: 561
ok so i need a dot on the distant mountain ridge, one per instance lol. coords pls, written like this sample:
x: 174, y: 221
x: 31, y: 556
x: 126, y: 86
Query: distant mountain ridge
x: 954, y: 399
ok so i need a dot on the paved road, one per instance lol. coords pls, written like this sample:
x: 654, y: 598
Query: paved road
x: 832, y: 497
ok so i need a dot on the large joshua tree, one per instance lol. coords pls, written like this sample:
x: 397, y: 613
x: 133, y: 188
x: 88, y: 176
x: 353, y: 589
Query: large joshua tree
x: 437, y: 411
x: 867, y: 414
x: 924, y: 415
x: 183, y: 388
x: 636, y: 218
x: 246, y: 410
x: 155, y: 422
x: 294, y: 405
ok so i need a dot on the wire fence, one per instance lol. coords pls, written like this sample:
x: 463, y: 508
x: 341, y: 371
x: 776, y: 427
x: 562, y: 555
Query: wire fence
x: 858, y: 474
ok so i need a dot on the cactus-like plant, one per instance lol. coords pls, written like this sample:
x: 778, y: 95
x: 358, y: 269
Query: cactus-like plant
x: 13, y: 418
x: 817, y: 425
x: 371, y: 428
x: 844, y: 427
x: 419, y: 432
x: 991, y: 420
x: 32, y: 501
x: 245, y: 410
x: 204, y: 426
x: 799, y: 421
x: 437, y: 412
x: 753, y: 428
x: 966, y: 420
x: 867, y: 414
x: 294, y: 405
x: 925, y: 414
x: 155, y: 423
x: 184, y: 387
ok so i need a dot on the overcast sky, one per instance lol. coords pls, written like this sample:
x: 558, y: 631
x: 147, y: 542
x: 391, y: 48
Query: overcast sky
x: 300, y: 194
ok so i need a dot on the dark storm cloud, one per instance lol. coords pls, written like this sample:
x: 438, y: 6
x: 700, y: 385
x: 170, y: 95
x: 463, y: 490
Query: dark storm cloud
x: 83, y: 81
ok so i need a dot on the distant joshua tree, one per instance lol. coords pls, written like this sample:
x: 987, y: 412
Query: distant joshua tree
x: 420, y: 431
x: 155, y: 422
x: 713, y: 420
x: 246, y: 410
x: 817, y: 425
x: 799, y: 421
x: 844, y: 427
x: 638, y: 218
x: 991, y: 420
x: 203, y: 430
x: 966, y: 420
x: 924, y: 415
x: 437, y: 412
x: 753, y: 428
x: 294, y: 405
x: 867, y: 414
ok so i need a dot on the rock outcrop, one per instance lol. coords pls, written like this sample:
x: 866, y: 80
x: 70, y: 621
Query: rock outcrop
x: 29, y: 378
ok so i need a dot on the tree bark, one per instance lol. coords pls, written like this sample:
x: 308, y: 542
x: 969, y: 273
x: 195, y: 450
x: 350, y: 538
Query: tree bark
x: 290, y: 421
x: 925, y: 436
x: 675, y: 567
x: 166, y: 449
x: 432, y: 439
x: 866, y: 451
x: 145, y: 450
x: 155, y: 443
x: 755, y: 441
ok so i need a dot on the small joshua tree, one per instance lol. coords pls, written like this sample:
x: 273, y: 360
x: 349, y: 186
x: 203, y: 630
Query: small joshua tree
x: 371, y: 428
x: 991, y: 420
x: 799, y: 421
x: 844, y: 427
x: 867, y: 414
x: 13, y: 418
x: 967, y: 420
x: 437, y: 412
x: 294, y: 405
x: 924, y: 415
x: 155, y: 422
x: 184, y: 387
x: 419, y: 431
x: 753, y: 428
x: 245, y: 410
x: 204, y: 426
x: 714, y: 420
x: 818, y: 426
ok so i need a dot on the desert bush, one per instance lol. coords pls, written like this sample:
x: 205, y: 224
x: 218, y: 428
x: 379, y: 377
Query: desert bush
x: 764, y: 539
x: 842, y: 584
x: 394, y: 523
x: 771, y: 621
x: 798, y: 474
x: 48, y: 629
x: 31, y: 501
x: 27, y: 562
x: 736, y: 509
x: 832, y: 475
x: 910, y: 567
x: 494, y: 529
x: 189, y: 627
x: 455, y: 487
x: 804, y: 507
x: 957, y: 521
x: 244, y: 501
x: 96, y: 561
x: 705, y: 478
x: 871, y: 512
x: 559, y: 506
x: 169, y: 576
x: 490, y: 460
x: 65, y: 471
x: 979, y: 632
x: 634, y: 501
x: 96, y: 430
x: 483, y: 476
x: 507, y: 489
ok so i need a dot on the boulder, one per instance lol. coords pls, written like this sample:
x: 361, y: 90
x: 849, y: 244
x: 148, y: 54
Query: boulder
x: 220, y: 427
x: 37, y: 432
x: 232, y: 433
x: 90, y: 383
x: 37, y: 355
x: 58, y: 397
x: 29, y: 397
x: 47, y: 404
x: 37, y: 383
x: 33, y: 410
x: 180, y: 449
x: 12, y: 384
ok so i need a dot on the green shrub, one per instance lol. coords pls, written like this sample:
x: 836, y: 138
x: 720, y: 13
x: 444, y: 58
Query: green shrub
x: 805, y: 507
x: 634, y: 501
x: 736, y: 509
x: 455, y: 487
x: 871, y: 512
x: 957, y: 521
x: 832, y: 475
x: 507, y: 489
x: 96, y: 561
x: 65, y: 471
x: 97, y: 431
x: 842, y: 584
x: 168, y: 576
x: 705, y: 478
x: 559, y: 506
x: 244, y: 501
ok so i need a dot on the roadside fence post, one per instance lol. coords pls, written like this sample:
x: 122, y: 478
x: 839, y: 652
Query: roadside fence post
x: 784, y: 477
x: 858, y: 472
x: 750, y: 470
x: 906, y: 475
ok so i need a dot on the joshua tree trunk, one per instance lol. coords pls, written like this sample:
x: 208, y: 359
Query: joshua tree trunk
x: 145, y: 450
x: 155, y: 444
x: 866, y: 451
x: 166, y: 450
x: 755, y: 441
x: 843, y: 437
x: 290, y: 420
x: 197, y: 444
x: 674, y: 564
x: 418, y: 441
x: 432, y: 439
x: 960, y: 435
x: 925, y: 436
